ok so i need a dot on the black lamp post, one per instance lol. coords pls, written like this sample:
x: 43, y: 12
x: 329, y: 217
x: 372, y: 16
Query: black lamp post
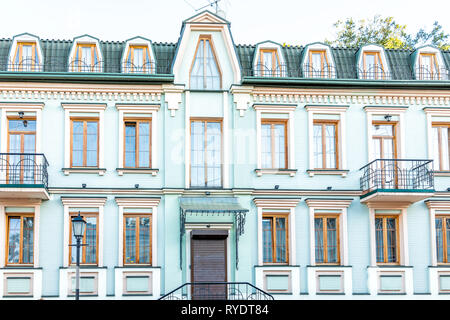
x: 78, y: 227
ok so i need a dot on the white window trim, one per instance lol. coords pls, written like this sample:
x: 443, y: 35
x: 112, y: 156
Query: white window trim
x: 87, y: 108
x: 429, y: 50
x: 277, y: 204
x: 139, y: 203
x: 64, y: 284
x: 341, y: 209
x: 25, y: 38
x: 319, y: 47
x: 402, y: 232
x: 434, y: 206
x: 16, y: 107
x: 272, y: 46
x: 373, y: 48
x: 400, y: 134
x: 151, y: 110
x: 434, y: 114
x: 277, y: 109
x: 32, y: 203
x: 70, y: 203
x: 342, y: 137
x: 138, y: 41
x: 85, y: 40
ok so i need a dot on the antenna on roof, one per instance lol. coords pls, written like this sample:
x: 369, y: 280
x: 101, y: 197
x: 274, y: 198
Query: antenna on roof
x: 211, y: 3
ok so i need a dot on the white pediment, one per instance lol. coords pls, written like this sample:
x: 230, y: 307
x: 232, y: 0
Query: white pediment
x: 206, y: 17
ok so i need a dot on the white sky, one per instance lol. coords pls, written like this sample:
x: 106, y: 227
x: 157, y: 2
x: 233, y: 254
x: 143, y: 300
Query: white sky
x: 296, y: 22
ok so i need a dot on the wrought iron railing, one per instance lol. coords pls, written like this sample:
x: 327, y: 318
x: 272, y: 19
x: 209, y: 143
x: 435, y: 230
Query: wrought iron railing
x: 424, y: 73
x: 277, y: 71
x: 326, y: 72
x: 374, y: 72
x: 23, y: 169
x: 25, y: 65
x: 397, y: 174
x: 217, y: 291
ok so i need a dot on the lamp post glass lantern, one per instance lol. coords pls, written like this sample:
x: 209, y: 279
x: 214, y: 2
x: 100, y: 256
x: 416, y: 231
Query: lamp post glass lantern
x: 78, y: 228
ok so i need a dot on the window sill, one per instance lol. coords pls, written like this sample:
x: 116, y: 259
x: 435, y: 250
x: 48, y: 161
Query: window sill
x: 290, y: 172
x: 99, y: 171
x: 337, y: 172
x: 151, y: 171
x: 441, y: 173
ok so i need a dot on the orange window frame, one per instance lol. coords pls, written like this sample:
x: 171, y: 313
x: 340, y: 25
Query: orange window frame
x: 204, y: 38
x: 441, y: 126
x: 22, y: 216
x: 325, y: 238
x: 275, y: 61
x: 393, y: 137
x: 19, y: 53
x: 323, y: 124
x: 84, y: 120
x: 136, y: 122
x: 378, y: 62
x: 397, y: 239
x: 434, y: 64
x: 272, y: 123
x: 83, y: 241
x: 445, y: 240
x: 273, y: 217
x: 137, y: 216
x: 79, y: 51
x: 323, y: 60
x: 146, y: 65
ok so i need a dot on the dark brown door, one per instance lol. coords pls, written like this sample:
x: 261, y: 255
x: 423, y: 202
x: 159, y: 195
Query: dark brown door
x: 209, y: 264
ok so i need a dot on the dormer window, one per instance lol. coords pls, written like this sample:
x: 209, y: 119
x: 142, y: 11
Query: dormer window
x: 205, y: 71
x: 428, y: 67
x: 268, y: 63
x: 373, y: 67
x: 26, y: 57
x: 85, y: 58
x: 318, y: 66
x: 138, y: 60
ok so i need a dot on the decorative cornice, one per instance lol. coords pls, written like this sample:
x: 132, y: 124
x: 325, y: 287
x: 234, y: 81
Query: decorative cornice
x: 83, y: 202
x: 274, y: 107
x: 137, y: 202
x: 138, y: 107
x: 328, y: 203
x: 276, y: 203
x: 438, y: 204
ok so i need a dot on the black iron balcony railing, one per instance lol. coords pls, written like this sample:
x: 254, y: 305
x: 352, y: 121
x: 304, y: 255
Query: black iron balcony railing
x: 217, y: 291
x: 405, y: 174
x: 23, y: 169
x: 427, y: 73
x: 326, y: 72
x: 374, y: 72
x: 262, y: 70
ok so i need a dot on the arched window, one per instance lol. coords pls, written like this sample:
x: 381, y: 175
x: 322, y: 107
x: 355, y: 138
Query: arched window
x: 205, y: 72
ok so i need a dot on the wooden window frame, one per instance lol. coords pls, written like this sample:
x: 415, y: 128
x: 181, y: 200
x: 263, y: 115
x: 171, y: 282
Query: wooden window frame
x: 273, y: 122
x: 85, y: 120
x: 137, y: 121
x: 204, y: 38
x: 378, y: 62
x: 275, y: 61
x: 137, y: 215
x: 146, y: 65
x: 441, y: 125
x: 21, y: 215
x: 83, y: 241
x: 397, y: 239
x: 434, y: 64
x: 444, y: 240
x: 324, y: 218
x: 206, y: 120
x: 273, y: 217
x: 325, y: 123
x: 323, y: 60
x: 78, y: 52
x: 19, y: 49
x: 394, y: 125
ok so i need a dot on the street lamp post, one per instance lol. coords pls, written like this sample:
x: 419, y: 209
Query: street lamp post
x: 78, y: 227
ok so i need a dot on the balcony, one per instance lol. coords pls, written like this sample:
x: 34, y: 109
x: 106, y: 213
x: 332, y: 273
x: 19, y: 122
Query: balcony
x: 23, y: 175
x: 397, y: 180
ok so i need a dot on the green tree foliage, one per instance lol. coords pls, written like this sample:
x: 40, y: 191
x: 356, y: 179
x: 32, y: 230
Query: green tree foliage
x: 386, y: 32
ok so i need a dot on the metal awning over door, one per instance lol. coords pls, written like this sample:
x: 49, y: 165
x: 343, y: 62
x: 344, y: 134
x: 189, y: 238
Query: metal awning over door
x: 198, y: 206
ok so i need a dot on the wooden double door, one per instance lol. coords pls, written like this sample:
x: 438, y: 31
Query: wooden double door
x: 208, y: 264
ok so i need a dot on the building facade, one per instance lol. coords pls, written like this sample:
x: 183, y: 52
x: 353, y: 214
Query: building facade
x: 307, y: 172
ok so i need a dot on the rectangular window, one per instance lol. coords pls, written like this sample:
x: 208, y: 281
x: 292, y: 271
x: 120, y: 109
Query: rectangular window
x: 137, y: 235
x: 274, y: 147
x: 20, y: 237
x: 441, y: 143
x: 206, y: 153
x: 21, y: 149
x: 387, y: 244
x: 428, y: 67
x: 88, y: 253
x: 327, y: 239
x: 268, y: 64
x: 138, y: 60
x: 84, y: 142
x: 318, y: 64
x: 137, y: 144
x: 26, y: 57
x: 442, y: 234
x: 275, y: 238
x: 373, y: 66
x: 325, y: 145
x: 86, y: 59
